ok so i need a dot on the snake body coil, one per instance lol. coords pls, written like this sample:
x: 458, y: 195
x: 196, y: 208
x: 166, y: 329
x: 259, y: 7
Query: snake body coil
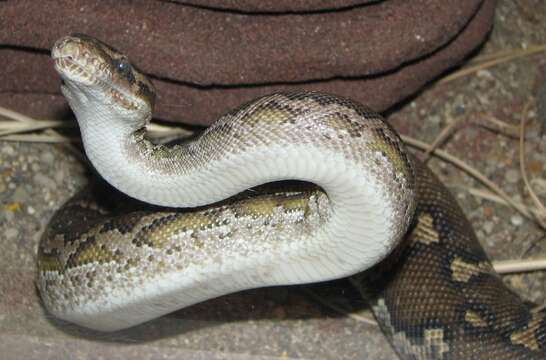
x: 436, y: 296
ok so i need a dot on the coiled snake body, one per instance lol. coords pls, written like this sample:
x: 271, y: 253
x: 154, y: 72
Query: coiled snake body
x: 436, y: 296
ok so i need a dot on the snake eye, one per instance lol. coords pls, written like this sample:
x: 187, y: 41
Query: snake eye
x: 122, y: 65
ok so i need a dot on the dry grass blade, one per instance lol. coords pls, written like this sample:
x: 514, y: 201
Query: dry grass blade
x: 541, y: 214
x: 17, y: 124
x: 494, y: 60
x: 14, y: 115
x: 164, y: 131
x: 519, y: 266
x: 442, y: 136
x: 484, y: 194
x: 539, y: 185
x: 29, y: 127
x: 14, y: 124
x: 40, y: 138
x: 484, y: 120
x: 492, y: 123
x: 529, y: 50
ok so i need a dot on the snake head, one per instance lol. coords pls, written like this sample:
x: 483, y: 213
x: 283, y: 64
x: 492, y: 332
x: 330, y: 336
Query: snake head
x: 97, y: 76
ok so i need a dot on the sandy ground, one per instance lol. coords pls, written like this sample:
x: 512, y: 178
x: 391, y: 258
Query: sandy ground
x: 289, y: 322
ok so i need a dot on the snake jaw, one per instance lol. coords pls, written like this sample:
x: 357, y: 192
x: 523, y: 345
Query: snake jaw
x: 75, y: 64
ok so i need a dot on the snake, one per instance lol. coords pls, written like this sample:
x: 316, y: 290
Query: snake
x: 290, y: 188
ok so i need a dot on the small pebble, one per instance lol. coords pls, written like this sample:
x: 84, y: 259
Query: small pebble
x: 9, y: 216
x: 20, y: 195
x: 11, y: 233
x: 485, y: 74
x: 512, y: 176
x: 44, y: 181
x: 487, y: 211
x: 279, y: 312
x: 516, y: 220
x: 47, y: 158
x: 59, y: 176
x: 31, y: 210
x: 8, y: 150
x: 434, y: 119
x: 488, y: 227
x: 459, y: 110
x: 534, y: 166
x: 461, y: 196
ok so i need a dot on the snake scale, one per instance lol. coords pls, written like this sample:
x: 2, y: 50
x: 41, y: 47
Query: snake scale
x: 357, y: 201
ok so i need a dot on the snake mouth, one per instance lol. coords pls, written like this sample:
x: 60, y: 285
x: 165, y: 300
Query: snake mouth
x: 71, y: 71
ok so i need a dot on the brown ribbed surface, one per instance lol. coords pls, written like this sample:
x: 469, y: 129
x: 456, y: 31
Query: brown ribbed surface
x: 210, y: 60
x: 276, y: 6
